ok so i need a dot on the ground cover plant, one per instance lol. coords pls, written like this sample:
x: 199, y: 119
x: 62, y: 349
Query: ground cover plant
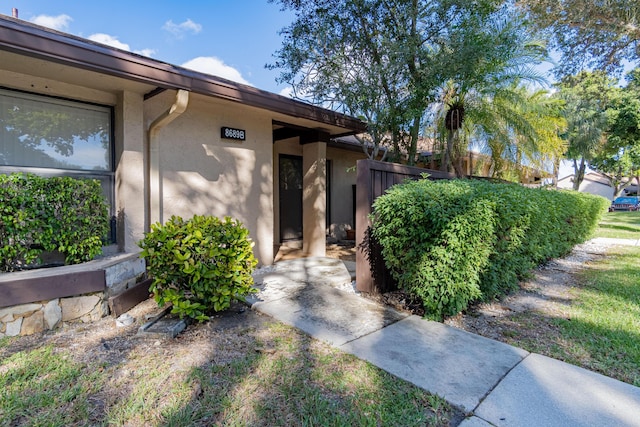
x: 452, y: 242
x: 238, y: 368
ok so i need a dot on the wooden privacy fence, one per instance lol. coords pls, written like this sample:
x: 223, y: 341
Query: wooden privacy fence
x: 374, y: 178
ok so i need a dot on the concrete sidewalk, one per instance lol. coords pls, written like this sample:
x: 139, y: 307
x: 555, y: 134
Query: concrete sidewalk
x: 495, y: 383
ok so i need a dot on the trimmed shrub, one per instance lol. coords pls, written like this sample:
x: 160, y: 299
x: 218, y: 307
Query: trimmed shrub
x: 50, y: 214
x: 199, y: 265
x: 452, y: 242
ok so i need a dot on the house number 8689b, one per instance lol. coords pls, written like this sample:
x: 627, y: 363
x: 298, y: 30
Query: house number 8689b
x: 231, y: 133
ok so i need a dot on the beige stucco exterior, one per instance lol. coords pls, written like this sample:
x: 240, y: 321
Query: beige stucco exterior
x: 341, y: 178
x: 201, y: 173
x: 170, y: 159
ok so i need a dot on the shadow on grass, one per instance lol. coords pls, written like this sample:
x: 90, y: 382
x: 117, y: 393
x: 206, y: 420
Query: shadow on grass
x: 616, y: 227
x: 288, y: 378
x: 599, y: 330
x: 603, y: 349
x: 241, y: 368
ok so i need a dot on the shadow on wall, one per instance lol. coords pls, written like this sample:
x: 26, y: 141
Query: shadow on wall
x: 223, y: 181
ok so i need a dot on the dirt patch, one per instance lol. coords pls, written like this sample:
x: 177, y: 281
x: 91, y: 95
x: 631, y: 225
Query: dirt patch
x: 226, y: 336
x: 525, y: 316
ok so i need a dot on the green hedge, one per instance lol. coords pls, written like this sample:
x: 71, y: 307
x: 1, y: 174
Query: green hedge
x: 50, y: 214
x: 452, y: 242
x: 199, y: 265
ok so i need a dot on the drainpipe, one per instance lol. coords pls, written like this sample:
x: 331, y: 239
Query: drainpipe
x: 153, y: 196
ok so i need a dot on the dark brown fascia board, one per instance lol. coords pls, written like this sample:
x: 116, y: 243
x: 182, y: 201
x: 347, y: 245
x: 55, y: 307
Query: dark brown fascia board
x: 24, y: 38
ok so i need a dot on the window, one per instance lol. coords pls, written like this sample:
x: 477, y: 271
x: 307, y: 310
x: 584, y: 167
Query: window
x: 38, y: 131
x: 52, y: 137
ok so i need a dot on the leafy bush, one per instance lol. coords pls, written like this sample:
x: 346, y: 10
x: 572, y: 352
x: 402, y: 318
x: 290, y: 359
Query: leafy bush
x: 199, y: 265
x: 50, y: 214
x: 451, y: 242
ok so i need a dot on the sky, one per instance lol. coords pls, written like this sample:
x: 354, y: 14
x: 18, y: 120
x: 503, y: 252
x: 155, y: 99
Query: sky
x: 233, y: 39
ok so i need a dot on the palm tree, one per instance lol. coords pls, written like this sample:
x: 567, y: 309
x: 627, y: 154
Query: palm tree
x: 522, y: 126
x: 507, y: 56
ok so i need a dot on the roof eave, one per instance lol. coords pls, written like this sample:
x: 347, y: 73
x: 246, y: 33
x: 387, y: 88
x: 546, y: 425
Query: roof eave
x: 32, y: 40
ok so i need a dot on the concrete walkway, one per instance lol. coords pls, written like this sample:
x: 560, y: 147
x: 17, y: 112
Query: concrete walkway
x: 494, y: 383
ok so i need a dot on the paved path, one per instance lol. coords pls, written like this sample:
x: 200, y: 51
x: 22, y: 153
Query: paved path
x: 495, y: 383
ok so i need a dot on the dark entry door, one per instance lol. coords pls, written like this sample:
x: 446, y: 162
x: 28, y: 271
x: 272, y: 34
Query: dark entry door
x: 290, y: 197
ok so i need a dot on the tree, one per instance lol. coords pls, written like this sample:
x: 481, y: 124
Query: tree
x: 497, y: 72
x: 619, y: 157
x: 523, y: 126
x: 589, y: 34
x: 586, y: 96
x: 384, y: 60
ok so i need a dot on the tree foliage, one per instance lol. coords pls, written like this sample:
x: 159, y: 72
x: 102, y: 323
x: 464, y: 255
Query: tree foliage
x: 619, y: 157
x: 474, y: 90
x: 589, y: 34
x: 604, y: 126
x: 586, y: 96
x: 385, y: 60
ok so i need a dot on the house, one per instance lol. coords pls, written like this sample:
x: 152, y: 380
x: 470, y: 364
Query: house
x: 162, y: 140
x: 593, y: 183
x: 165, y: 140
x: 478, y: 164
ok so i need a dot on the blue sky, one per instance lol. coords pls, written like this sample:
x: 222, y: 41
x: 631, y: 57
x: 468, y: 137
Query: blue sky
x: 229, y: 38
x: 233, y: 39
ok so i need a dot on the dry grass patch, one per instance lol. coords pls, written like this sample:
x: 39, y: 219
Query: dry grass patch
x: 240, y: 369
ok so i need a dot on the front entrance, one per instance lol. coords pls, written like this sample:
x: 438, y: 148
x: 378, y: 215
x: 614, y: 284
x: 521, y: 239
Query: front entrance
x: 290, y: 183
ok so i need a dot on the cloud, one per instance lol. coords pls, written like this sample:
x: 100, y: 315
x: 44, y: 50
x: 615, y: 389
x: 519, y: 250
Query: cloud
x: 215, y: 67
x: 60, y: 22
x: 146, y: 52
x: 287, y: 91
x: 179, y: 30
x: 113, y: 41
x: 109, y: 40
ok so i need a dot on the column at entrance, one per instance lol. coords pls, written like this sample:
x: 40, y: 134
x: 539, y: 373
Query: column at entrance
x: 314, y: 199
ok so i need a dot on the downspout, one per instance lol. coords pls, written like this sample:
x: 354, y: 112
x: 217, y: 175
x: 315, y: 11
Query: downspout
x: 153, y: 196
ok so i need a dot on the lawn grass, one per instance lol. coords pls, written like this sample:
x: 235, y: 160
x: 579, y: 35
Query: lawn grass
x: 46, y: 389
x: 599, y: 328
x: 300, y: 381
x: 602, y: 331
x: 281, y: 378
x: 620, y: 225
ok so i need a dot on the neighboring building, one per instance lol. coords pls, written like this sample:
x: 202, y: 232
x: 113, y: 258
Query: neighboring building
x: 165, y: 140
x: 593, y: 183
x: 477, y: 164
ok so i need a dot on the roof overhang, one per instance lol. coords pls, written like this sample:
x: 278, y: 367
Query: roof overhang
x: 26, y: 39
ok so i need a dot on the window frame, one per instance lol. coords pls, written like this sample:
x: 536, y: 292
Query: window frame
x: 103, y: 175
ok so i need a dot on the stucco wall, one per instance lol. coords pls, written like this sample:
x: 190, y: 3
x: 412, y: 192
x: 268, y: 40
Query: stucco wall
x: 129, y: 167
x: 201, y: 173
x: 343, y: 177
x: 597, y: 189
